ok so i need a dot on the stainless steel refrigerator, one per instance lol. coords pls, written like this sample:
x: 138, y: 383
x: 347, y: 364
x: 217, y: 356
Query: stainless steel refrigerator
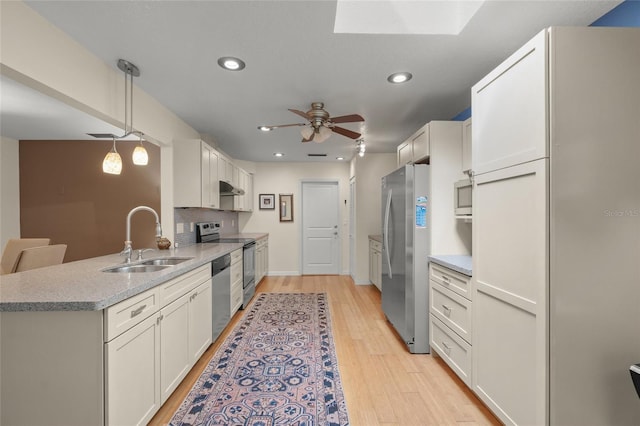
x: 405, y: 247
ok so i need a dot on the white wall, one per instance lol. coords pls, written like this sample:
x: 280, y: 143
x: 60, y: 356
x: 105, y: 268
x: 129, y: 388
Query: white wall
x: 368, y: 171
x: 9, y: 191
x: 37, y: 54
x: 285, y: 237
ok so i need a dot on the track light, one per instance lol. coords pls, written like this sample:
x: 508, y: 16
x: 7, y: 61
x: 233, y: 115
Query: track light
x: 360, y: 147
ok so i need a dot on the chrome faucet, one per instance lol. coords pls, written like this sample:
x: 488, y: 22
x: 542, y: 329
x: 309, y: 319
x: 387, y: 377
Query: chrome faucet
x: 127, y: 244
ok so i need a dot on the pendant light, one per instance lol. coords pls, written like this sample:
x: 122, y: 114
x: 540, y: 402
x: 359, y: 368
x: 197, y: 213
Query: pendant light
x: 140, y: 156
x: 112, y: 163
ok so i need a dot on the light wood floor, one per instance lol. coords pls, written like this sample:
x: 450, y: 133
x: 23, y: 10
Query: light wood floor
x: 383, y: 383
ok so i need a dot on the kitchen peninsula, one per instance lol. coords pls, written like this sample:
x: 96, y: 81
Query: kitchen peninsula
x: 66, y: 330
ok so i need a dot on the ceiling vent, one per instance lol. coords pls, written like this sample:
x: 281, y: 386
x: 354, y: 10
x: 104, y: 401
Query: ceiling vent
x: 316, y: 155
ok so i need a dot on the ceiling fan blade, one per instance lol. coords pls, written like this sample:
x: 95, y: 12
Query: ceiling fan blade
x: 345, y: 132
x: 351, y: 118
x: 300, y: 113
x: 286, y: 125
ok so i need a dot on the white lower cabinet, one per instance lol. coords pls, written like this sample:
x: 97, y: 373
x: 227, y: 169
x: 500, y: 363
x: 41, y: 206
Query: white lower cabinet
x: 111, y: 367
x: 450, y: 319
x: 236, y: 280
x: 262, y: 258
x: 146, y: 363
x: 132, y: 391
x: 375, y: 263
x: 174, y: 345
x: 200, y: 325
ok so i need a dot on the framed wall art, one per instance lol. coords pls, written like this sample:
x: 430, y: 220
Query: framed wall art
x: 267, y: 201
x: 286, y: 207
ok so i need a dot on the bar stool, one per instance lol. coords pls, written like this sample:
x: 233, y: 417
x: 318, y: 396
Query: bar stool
x: 39, y: 257
x: 12, y: 251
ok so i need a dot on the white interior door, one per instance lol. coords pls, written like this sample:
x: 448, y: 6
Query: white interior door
x: 320, y: 231
x: 352, y: 228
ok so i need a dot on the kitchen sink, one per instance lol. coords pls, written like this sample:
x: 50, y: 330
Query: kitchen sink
x: 166, y: 261
x: 136, y: 268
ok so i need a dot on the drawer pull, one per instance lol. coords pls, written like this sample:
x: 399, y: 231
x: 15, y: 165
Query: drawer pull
x: 447, y: 310
x: 445, y: 279
x: 447, y: 348
x: 137, y: 311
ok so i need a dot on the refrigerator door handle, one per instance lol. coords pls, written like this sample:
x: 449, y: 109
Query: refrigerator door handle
x: 386, y: 231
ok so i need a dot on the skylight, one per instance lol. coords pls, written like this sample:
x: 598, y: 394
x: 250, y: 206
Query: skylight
x: 404, y: 16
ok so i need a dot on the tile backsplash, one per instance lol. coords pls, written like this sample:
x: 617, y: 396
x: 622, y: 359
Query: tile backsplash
x: 186, y: 218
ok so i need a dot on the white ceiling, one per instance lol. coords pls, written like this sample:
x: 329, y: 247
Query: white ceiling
x: 293, y: 58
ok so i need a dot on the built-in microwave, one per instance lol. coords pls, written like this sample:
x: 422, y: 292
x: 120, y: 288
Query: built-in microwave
x: 462, y: 197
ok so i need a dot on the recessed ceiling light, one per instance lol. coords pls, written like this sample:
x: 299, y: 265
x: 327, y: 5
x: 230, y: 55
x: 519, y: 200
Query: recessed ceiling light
x: 278, y: 154
x: 399, y: 77
x: 265, y: 128
x: 340, y: 158
x: 230, y: 63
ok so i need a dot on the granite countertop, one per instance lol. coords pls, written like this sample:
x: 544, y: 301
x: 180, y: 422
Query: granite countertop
x: 377, y: 238
x: 83, y: 286
x: 459, y: 263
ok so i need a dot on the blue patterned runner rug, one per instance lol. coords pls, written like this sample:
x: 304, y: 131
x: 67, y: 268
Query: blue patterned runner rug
x: 277, y: 367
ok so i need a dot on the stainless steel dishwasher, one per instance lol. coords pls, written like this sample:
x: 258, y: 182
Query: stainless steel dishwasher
x: 221, y: 273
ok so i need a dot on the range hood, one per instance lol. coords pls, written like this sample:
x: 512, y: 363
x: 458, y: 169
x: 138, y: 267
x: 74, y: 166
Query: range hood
x: 226, y: 189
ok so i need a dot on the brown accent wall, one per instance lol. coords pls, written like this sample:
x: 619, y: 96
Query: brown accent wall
x: 64, y: 195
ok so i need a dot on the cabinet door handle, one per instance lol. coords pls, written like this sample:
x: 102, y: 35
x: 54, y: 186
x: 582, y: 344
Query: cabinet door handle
x: 194, y: 295
x: 447, y: 310
x: 138, y: 311
x: 446, y: 279
x: 447, y: 348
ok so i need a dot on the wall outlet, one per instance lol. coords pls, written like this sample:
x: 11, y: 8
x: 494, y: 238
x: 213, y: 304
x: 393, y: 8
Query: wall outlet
x: 222, y: 224
x: 192, y: 227
x: 179, y: 228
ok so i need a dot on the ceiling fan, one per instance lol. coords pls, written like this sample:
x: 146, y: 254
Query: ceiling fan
x: 320, y: 124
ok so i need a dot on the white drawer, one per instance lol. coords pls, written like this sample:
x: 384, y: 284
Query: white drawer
x: 261, y: 242
x: 173, y: 289
x: 452, y: 348
x: 124, y: 315
x: 452, y: 280
x: 236, y: 256
x: 236, y: 296
x: 452, y: 309
x: 236, y: 272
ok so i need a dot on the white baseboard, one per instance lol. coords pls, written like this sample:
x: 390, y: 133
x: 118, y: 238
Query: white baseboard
x: 284, y: 273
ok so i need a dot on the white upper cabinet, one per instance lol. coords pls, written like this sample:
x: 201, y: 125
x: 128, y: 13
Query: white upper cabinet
x: 510, y: 110
x: 195, y: 175
x: 414, y: 149
x: 466, y: 145
x: 405, y: 153
x: 420, y: 142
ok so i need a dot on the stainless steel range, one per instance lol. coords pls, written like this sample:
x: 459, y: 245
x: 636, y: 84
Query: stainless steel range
x: 209, y: 232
